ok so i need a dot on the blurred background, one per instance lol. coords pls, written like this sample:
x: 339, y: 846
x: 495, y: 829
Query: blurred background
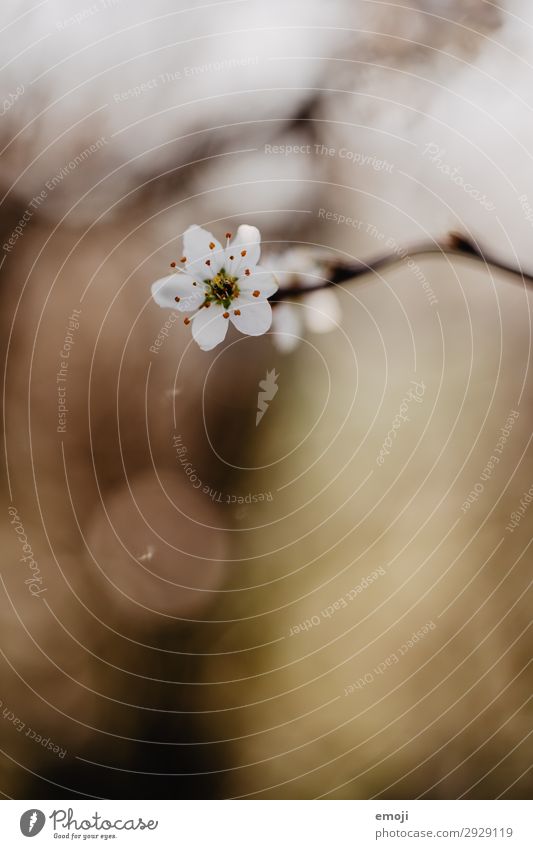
x: 335, y: 601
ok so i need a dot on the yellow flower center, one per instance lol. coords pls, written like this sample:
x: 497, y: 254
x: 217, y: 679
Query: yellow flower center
x: 222, y: 289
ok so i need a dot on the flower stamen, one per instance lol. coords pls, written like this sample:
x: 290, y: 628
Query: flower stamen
x: 217, y: 276
x: 222, y: 289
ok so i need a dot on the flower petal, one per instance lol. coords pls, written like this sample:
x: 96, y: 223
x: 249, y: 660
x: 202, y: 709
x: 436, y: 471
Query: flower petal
x: 255, y: 315
x: 322, y: 311
x: 247, y: 238
x: 209, y: 327
x: 261, y: 281
x: 196, y: 247
x: 167, y: 289
x: 286, y: 327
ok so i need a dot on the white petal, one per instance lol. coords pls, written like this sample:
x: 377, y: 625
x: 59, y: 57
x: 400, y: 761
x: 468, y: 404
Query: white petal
x: 301, y: 263
x: 322, y: 311
x: 209, y: 327
x: 261, y: 280
x: 286, y: 327
x: 247, y: 238
x: 165, y: 291
x: 196, y: 242
x: 255, y: 315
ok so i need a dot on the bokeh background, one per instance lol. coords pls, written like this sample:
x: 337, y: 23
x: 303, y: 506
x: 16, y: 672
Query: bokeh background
x: 342, y: 608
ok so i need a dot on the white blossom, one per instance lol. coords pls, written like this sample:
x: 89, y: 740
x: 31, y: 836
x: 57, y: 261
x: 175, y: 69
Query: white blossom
x: 218, y: 285
x: 316, y: 311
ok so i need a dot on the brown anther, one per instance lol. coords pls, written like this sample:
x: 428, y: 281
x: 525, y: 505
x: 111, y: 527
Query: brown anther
x: 247, y: 272
x: 186, y: 321
x: 211, y: 245
x: 232, y: 257
x: 256, y: 293
x: 208, y: 262
x: 207, y: 304
x: 177, y: 299
x: 173, y: 265
x: 236, y: 312
x: 243, y: 253
x: 226, y: 314
x: 228, y: 235
x: 183, y: 259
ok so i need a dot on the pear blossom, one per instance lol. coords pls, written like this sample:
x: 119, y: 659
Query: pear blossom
x: 218, y: 285
x: 317, y: 311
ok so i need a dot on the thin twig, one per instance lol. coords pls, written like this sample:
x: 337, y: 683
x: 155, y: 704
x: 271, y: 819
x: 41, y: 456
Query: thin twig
x: 336, y: 271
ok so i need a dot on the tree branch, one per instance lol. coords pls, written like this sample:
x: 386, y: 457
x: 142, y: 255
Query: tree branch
x: 336, y: 271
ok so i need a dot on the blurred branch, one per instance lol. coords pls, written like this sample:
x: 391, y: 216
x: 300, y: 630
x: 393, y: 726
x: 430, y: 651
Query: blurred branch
x: 453, y: 244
